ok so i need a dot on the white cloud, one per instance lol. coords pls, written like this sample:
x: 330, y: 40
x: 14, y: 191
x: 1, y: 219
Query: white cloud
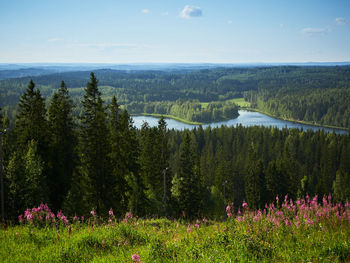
x: 340, y: 21
x: 145, y: 11
x: 165, y: 13
x: 229, y: 22
x: 309, y: 31
x: 191, y: 11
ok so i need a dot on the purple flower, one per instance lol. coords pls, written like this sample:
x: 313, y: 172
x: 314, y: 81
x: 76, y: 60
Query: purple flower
x: 135, y: 258
x: 189, y: 229
x: 111, y: 212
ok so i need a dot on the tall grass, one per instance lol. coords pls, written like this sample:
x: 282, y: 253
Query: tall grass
x: 302, y: 231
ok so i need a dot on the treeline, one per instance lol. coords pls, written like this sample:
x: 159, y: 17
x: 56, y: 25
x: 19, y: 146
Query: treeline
x: 314, y: 94
x: 193, y: 111
x: 101, y: 161
x: 320, y: 106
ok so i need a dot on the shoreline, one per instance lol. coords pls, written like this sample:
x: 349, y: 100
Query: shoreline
x: 169, y: 117
x: 242, y: 108
x: 296, y: 121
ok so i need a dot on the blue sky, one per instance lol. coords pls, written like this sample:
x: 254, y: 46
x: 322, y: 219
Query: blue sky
x: 133, y: 31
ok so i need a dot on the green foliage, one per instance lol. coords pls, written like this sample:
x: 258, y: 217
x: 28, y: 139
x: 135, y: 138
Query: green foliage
x: 63, y: 140
x: 192, y: 111
x: 163, y: 240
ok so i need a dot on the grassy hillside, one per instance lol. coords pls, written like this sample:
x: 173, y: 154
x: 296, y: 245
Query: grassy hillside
x: 304, y: 231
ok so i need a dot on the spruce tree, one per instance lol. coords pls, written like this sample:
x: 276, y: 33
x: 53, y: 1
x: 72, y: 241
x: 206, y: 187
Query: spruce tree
x: 188, y: 179
x: 30, y: 161
x: 118, y: 163
x: 130, y: 151
x: 62, y: 145
x: 94, y: 149
x: 31, y: 123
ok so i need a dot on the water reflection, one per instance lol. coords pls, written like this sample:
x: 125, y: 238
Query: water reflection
x: 246, y: 118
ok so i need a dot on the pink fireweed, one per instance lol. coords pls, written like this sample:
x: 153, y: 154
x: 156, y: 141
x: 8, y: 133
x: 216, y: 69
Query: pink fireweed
x: 189, y: 229
x: 306, y: 212
x: 136, y: 258
x: 41, y: 216
x: 110, y: 212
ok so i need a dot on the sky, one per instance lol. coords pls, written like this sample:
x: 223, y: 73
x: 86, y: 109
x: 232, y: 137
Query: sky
x: 169, y: 31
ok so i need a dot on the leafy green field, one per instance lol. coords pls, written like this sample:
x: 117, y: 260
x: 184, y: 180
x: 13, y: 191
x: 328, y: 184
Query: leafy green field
x: 304, y: 231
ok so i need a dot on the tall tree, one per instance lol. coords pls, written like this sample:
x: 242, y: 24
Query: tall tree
x: 130, y: 151
x: 31, y: 123
x: 94, y: 149
x: 118, y: 166
x: 63, y: 141
x: 188, y: 179
x: 28, y: 165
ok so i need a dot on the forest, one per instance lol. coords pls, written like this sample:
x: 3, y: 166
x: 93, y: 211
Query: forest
x: 99, y: 160
x: 314, y: 94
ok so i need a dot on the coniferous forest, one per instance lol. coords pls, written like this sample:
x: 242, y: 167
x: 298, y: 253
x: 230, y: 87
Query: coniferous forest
x: 99, y: 160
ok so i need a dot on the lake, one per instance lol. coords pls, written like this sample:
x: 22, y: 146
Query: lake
x: 246, y: 118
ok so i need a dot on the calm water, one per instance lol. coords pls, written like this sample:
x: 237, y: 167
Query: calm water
x: 246, y: 118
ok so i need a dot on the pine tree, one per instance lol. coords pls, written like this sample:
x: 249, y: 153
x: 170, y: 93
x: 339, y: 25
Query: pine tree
x: 62, y: 145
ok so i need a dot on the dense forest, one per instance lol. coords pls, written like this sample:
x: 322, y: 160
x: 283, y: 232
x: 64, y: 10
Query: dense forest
x: 99, y: 160
x: 314, y: 94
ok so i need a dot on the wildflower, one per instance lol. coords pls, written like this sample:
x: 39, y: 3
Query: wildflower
x: 92, y: 212
x: 75, y: 218
x: 111, y: 212
x: 135, y: 258
x: 189, y: 229
x: 228, y: 208
x: 287, y: 222
x: 20, y: 218
x: 196, y: 225
x: 244, y: 205
x: 229, y: 214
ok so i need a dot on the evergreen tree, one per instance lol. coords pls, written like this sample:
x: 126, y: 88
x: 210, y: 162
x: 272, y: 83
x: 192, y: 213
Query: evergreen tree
x: 62, y: 145
x: 94, y: 149
x: 118, y: 166
x: 130, y: 151
x: 36, y: 190
x: 31, y: 123
x: 189, y: 179
x: 254, y: 184
x: 28, y: 166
